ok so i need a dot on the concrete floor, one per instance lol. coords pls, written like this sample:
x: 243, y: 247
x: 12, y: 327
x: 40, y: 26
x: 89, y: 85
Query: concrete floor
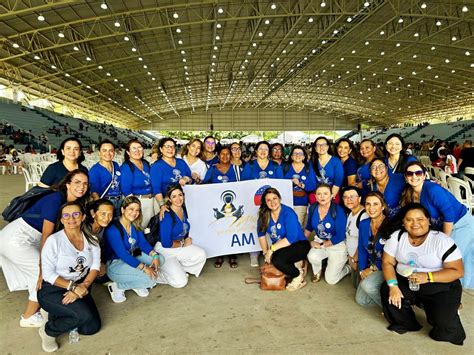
x: 218, y: 313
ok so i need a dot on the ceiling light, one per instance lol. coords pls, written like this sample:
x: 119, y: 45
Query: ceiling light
x: 218, y: 25
x: 108, y: 74
x: 117, y: 24
x: 446, y: 61
x: 37, y: 57
x: 40, y: 17
x: 61, y: 35
x: 415, y: 56
x: 353, y: 51
x: 397, y: 45
x: 15, y: 45
x: 100, y: 67
x: 467, y: 53
x: 145, y: 66
x: 454, y: 38
x: 273, y: 6
x: 382, y: 32
x: 134, y: 49
x: 180, y: 42
x: 366, y: 43
x: 400, y: 20
x: 382, y: 53
x: 88, y: 59
x: 464, y: 9
x: 126, y: 38
x: 300, y: 32
x: 433, y: 48
x: 103, y: 6
x: 416, y: 34
x: 429, y: 67
x: 366, y: 4
x: 53, y: 66
x: 178, y: 30
x: 423, y: 6
x: 323, y: 41
x: 218, y: 38
x: 76, y: 48
x: 220, y: 10
x: 349, y: 19
x: 323, y: 4
x: 260, y: 34
x: 175, y: 15
x: 67, y: 75
x: 438, y: 23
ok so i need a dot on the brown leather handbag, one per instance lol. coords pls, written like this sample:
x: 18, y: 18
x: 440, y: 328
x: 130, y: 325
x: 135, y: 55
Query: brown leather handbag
x: 272, y: 279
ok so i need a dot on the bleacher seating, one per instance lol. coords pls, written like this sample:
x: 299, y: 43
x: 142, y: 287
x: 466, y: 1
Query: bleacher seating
x: 439, y: 131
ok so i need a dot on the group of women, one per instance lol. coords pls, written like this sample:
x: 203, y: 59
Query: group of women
x: 343, y: 212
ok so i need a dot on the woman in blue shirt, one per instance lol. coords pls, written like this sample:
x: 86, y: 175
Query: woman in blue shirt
x: 344, y: 151
x: 182, y: 257
x: 390, y: 186
x: 328, y: 168
x: 223, y: 171
x: 368, y: 152
x: 370, y: 250
x: 328, y: 220
x: 236, y: 158
x: 105, y: 175
x: 168, y: 170
x: 209, y: 154
x: 70, y: 157
x: 301, y: 173
x: 447, y: 214
x: 21, y: 240
x: 136, y: 179
x: 132, y: 264
x: 278, y: 224
x: 396, y: 158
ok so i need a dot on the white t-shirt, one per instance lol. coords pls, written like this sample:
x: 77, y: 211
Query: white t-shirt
x: 198, y: 167
x: 352, y: 232
x: 59, y: 258
x: 426, y: 257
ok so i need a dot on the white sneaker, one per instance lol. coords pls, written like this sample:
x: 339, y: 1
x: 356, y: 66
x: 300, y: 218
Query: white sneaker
x: 116, y: 293
x: 33, y: 321
x: 45, y: 315
x: 254, y: 260
x: 48, y: 343
x: 142, y: 292
x: 346, y: 270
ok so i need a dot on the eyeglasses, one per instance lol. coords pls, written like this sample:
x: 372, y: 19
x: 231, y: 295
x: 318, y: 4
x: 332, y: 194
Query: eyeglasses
x: 380, y: 167
x: 235, y: 149
x: 136, y: 149
x: 210, y: 143
x: 169, y: 146
x: 298, y: 154
x: 73, y: 215
x: 418, y: 173
x: 322, y: 145
x: 349, y: 198
x: 277, y: 149
x: 262, y: 149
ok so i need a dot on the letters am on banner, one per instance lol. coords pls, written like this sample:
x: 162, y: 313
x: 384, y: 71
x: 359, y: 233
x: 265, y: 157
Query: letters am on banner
x: 223, y: 217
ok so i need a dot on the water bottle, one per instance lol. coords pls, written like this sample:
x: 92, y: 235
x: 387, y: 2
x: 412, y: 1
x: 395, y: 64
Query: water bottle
x: 74, y: 336
x: 412, y: 285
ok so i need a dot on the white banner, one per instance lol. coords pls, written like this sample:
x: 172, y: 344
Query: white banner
x: 223, y: 217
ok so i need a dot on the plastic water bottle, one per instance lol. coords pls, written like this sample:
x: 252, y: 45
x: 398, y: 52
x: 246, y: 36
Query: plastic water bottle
x: 74, y: 336
x: 412, y: 285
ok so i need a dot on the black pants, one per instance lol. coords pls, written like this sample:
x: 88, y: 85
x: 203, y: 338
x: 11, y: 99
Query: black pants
x: 440, y: 302
x: 81, y: 314
x: 284, y: 259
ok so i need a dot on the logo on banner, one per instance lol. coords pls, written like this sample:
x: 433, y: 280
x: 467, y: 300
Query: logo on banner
x: 257, y: 198
x: 228, y: 209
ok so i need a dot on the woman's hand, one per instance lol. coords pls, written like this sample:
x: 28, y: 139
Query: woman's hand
x: 185, y: 180
x: 150, y: 272
x: 365, y: 273
x: 196, y: 177
x: 163, y: 209
x: 103, y: 269
x: 315, y: 244
x: 69, y: 297
x: 39, y: 282
x: 296, y: 181
x: 395, y: 296
x: 81, y: 290
x: 188, y: 241
x: 268, y: 256
x: 419, y: 277
x: 155, y: 264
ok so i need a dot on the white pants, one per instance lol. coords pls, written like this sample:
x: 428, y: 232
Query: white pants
x: 147, y: 210
x: 337, y: 258
x: 301, y: 212
x: 178, y: 262
x: 19, y: 255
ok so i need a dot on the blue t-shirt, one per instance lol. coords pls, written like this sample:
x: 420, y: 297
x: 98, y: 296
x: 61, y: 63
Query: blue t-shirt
x: 172, y: 228
x: 55, y: 172
x: 305, y: 176
x: 137, y: 182
x: 47, y: 208
x: 122, y: 248
x: 363, y: 176
x: 350, y: 168
x: 393, y: 193
x: 287, y: 226
x: 163, y: 175
x: 212, y: 161
x: 215, y: 176
x: 253, y: 171
x: 329, y: 228
x: 100, y: 178
x: 391, y: 170
x: 367, y: 255
x: 332, y: 173
x: 441, y: 204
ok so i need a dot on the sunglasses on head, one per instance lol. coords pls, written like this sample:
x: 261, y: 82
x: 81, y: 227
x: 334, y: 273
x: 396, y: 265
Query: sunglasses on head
x: 418, y: 173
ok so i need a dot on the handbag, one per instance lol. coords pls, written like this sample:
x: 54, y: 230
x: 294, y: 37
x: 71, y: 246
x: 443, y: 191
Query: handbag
x: 271, y: 279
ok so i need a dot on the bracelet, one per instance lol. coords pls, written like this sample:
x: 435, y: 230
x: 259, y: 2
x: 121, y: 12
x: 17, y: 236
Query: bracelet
x: 430, y: 277
x: 272, y: 248
x: 392, y: 282
x: 70, y: 285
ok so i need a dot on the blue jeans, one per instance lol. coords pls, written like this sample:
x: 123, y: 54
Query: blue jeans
x: 62, y: 318
x: 128, y: 277
x: 368, y: 291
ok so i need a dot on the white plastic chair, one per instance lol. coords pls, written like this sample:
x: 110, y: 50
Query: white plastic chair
x: 443, y: 178
x: 457, y: 186
x: 469, y: 181
x: 28, y: 181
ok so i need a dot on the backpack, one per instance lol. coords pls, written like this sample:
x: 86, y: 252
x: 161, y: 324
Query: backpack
x: 332, y: 210
x: 21, y: 203
x: 359, y: 218
x: 132, y: 166
x: 286, y: 168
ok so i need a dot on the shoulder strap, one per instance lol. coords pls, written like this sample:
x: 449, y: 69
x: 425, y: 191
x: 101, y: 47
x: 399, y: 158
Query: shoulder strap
x: 400, y: 233
x: 119, y: 228
x: 311, y: 211
x: 111, y: 181
x: 448, y: 252
x: 333, y: 210
x: 359, y: 218
x: 236, y: 172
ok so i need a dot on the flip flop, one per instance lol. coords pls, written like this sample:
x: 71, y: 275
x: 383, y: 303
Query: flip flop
x: 219, y: 262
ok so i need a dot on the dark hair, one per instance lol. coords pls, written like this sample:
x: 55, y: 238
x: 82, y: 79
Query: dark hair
x: 315, y: 155
x: 372, y: 179
x: 305, y: 154
x: 323, y: 184
x: 264, y: 211
x: 90, y: 238
x: 172, y: 188
x: 60, y: 154
x: 353, y: 152
x: 224, y: 147
x: 106, y: 141
x: 378, y: 195
x: 351, y: 188
x: 94, y: 206
x: 403, y: 155
x: 377, y: 153
x: 127, y: 201
x: 161, y: 144
x: 67, y: 179
x: 185, y: 149
x: 264, y: 143
x: 126, y: 157
x: 276, y: 145
x: 407, y: 194
x: 414, y: 206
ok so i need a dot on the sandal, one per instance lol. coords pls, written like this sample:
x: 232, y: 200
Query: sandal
x: 219, y: 262
x: 233, y: 262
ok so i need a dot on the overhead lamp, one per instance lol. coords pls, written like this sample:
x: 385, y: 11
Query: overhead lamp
x: 103, y: 6
x: 40, y: 18
x: 446, y: 61
x: 175, y: 15
x: 366, y: 4
x: 423, y: 6
x: 134, y: 49
x: 67, y: 75
x: 464, y: 9
x: 61, y: 35
x: 220, y: 10
x: 467, y: 53
x: 53, y: 66
x: 273, y: 6
x: 117, y: 24
x: 433, y: 48
x: 15, y: 45
x: 382, y: 32
x: 140, y: 59
x: 400, y: 20
x: 126, y: 38
x: 37, y: 57
x: 323, y: 4
x: 88, y: 59
x: 178, y: 30
x: 454, y: 38
x: 438, y: 23
x: 416, y: 34
x: 180, y: 42
x: 300, y: 32
x: 349, y: 19
x: 366, y: 43
x: 76, y: 48
x: 100, y: 67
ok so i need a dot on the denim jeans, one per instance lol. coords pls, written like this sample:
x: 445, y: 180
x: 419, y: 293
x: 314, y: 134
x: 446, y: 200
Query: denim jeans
x: 368, y: 291
x: 62, y: 318
x: 128, y: 277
